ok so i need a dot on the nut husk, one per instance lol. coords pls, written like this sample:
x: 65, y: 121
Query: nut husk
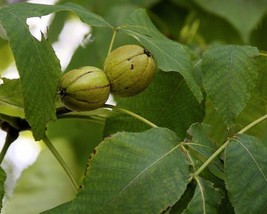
x: 83, y: 89
x: 130, y: 69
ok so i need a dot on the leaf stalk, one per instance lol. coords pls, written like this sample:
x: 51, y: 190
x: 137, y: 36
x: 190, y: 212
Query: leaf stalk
x: 12, y: 135
x: 134, y: 115
x: 61, y: 162
x: 221, y: 148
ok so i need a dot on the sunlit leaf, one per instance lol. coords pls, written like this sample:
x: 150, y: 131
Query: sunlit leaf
x: 134, y: 172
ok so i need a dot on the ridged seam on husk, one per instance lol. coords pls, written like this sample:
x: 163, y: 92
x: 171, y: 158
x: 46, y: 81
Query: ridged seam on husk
x: 83, y: 96
x: 124, y: 48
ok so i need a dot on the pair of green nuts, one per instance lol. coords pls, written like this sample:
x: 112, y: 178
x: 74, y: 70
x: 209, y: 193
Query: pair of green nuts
x: 128, y: 70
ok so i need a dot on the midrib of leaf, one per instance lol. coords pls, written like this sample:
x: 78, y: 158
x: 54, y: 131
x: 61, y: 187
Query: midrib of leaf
x: 168, y: 102
x: 143, y: 172
x: 254, y: 160
x: 197, y: 144
x: 202, y: 195
x: 10, y: 103
x: 83, y: 12
x: 229, y: 78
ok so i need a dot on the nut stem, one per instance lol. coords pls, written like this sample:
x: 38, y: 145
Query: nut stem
x: 114, y: 30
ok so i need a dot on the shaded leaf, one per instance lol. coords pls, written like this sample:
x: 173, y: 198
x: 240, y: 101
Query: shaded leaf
x: 218, y: 129
x: 169, y: 55
x: 184, y: 200
x: 257, y: 105
x: 171, y: 104
x: 134, y: 172
x: 258, y: 35
x: 166, y: 15
x: 206, y: 198
x: 202, y: 148
x: 229, y: 77
x: 243, y: 16
x: 246, y: 174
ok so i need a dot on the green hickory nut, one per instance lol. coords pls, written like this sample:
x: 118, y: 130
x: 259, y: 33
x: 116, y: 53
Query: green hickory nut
x: 130, y: 69
x: 84, y: 89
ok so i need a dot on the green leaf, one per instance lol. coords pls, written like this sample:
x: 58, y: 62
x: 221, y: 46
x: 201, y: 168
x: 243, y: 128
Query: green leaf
x: 62, y: 208
x: 135, y: 172
x: 206, y: 198
x: 5, y: 54
x: 103, y: 7
x: 40, y: 72
x: 218, y: 129
x: 199, y: 133
x: 10, y: 93
x: 82, y: 134
x: 169, y: 55
x: 244, y: 17
x: 171, y: 104
x: 246, y: 174
x: 229, y: 77
x: 2, y: 186
x: 96, y: 49
x: 44, y: 184
x: 26, y: 10
x: 257, y: 105
x: 202, y: 148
